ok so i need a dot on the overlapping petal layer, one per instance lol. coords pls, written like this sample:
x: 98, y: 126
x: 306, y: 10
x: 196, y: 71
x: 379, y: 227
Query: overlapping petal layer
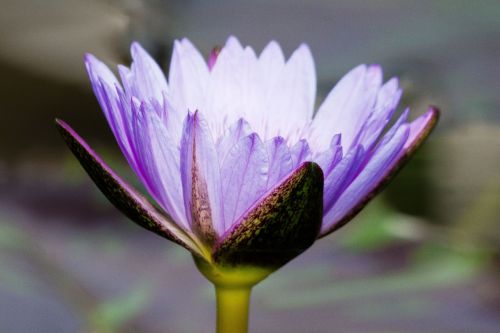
x: 219, y: 137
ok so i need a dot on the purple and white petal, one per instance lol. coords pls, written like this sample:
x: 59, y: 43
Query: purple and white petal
x: 371, y: 174
x: 188, y: 79
x: 112, y: 100
x: 233, y: 47
x: 97, y: 71
x: 201, y: 181
x: 293, y: 95
x: 252, y: 126
x: 340, y: 175
x: 147, y: 81
x: 300, y: 153
x: 327, y: 159
x: 387, y: 100
x: 280, y: 160
x: 347, y: 106
x: 158, y: 160
x: 232, y: 136
x: 233, y: 91
x: 420, y: 129
x: 244, y: 175
x: 271, y: 65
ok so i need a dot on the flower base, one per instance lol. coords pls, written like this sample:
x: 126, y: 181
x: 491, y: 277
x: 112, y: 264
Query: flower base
x: 233, y: 287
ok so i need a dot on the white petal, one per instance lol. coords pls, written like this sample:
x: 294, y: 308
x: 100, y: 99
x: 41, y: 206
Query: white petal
x: 290, y: 106
x: 233, y: 46
x: 188, y: 79
x: 271, y: 59
x: 233, y: 90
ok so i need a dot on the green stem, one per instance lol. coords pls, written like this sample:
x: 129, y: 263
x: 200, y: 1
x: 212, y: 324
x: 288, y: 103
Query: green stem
x: 232, y: 308
x: 233, y: 286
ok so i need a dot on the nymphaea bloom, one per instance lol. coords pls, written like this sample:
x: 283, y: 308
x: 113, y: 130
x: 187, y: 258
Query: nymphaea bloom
x: 242, y: 171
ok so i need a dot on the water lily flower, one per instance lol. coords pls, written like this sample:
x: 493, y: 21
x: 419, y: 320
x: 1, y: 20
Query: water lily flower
x: 242, y: 172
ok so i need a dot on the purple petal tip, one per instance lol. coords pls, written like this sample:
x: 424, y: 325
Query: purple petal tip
x: 425, y: 124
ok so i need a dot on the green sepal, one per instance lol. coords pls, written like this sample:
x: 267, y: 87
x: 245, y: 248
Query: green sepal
x: 280, y: 226
x: 122, y: 195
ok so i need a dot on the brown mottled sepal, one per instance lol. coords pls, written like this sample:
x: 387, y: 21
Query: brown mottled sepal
x: 122, y: 195
x: 280, y: 226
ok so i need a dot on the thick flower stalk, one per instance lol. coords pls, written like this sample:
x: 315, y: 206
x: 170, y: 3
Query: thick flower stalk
x: 243, y: 173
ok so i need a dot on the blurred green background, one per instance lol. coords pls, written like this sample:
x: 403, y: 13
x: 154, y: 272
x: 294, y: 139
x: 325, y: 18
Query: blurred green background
x: 423, y: 257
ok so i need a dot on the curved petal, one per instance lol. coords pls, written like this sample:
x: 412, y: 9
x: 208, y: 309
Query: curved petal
x: 188, y: 79
x: 271, y: 64
x: 188, y: 75
x: 158, y: 161
x: 387, y: 100
x: 420, y: 129
x: 103, y: 81
x: 233, y: 91
x: 232, y: 136
x: 114, y: 105
x: 127, y: 79
x: 364, y: 182
x: 147, y: 80
x: 292, y: 96
x: 300, y: 153
x: 97, y: 71
x: 122, y: 195
x: 327, y: 159
x: 233, y: 46
x: 244, y: 176
x: 347, y: 106
x: 280, y: 226
x: 397, y: 146
x: 122, y: 117
x: 341, y: 175
x: 280, y: 160
x: 201, y: 181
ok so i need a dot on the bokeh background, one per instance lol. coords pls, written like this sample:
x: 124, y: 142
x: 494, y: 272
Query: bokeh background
x: 423, y: 257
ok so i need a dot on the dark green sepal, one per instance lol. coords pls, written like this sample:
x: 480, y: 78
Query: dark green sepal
x: 280, y: 226
x: 122, y: 195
